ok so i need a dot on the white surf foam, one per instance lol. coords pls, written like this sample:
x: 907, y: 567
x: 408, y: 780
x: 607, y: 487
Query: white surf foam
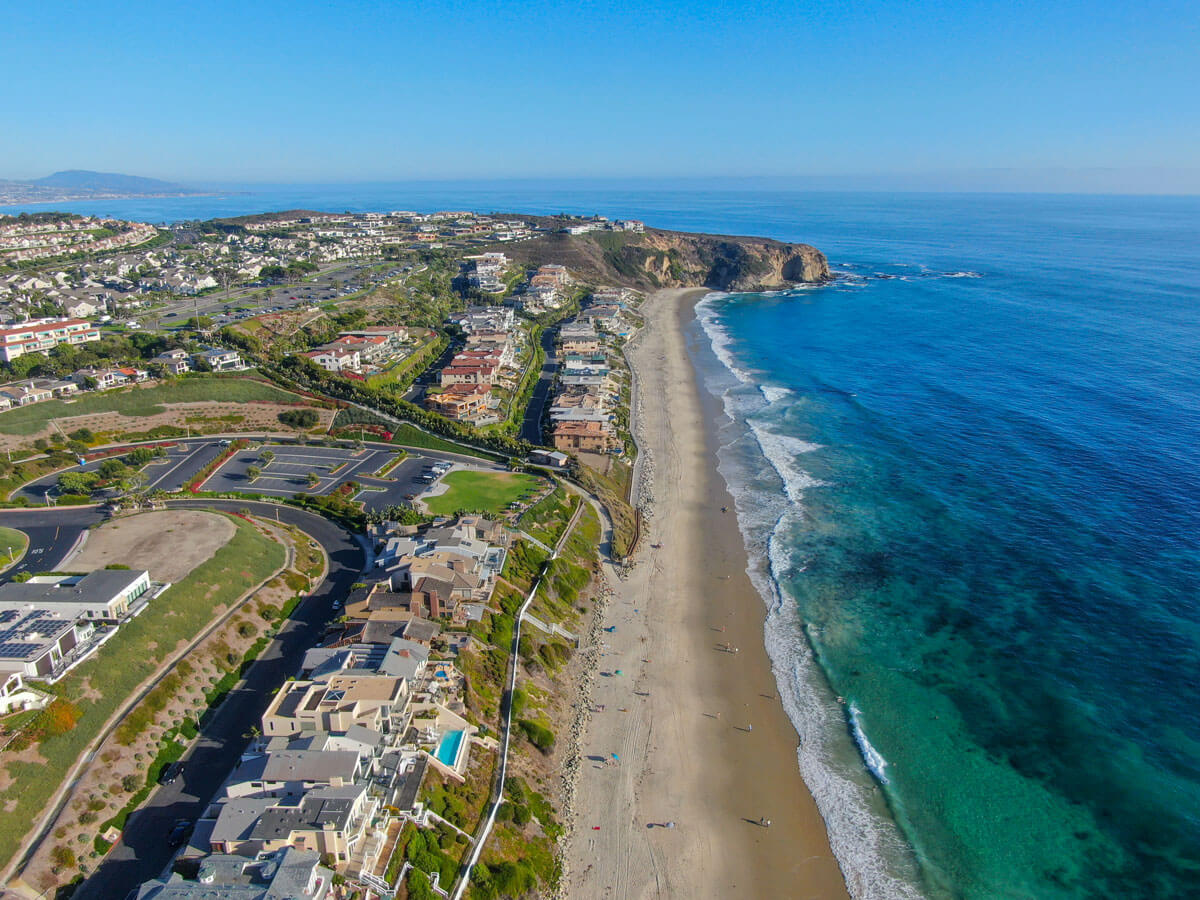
x: 706, y: 314
x: 872, y: 757
x: 773, y: 393
x: 781, y: 451
x: 874, y: 858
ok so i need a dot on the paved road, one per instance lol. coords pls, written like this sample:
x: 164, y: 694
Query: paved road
x: 52, y: 534
x: 531, y: 425
x: 143, y: 851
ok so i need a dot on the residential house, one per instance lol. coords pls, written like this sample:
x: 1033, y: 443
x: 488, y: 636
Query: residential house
x: 176, y: 362
x: 461, y: 402
x: 287, y: 874
x: 219, y: 359
x: 589, y: 437
x: 16, y: 695
x: 336, y: 358
x: 24, y: 393
x: 105, y: 595
x: 336, y: 704
x: 329, y: 820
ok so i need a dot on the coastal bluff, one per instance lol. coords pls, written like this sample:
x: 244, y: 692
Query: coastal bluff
x: 667, y: 259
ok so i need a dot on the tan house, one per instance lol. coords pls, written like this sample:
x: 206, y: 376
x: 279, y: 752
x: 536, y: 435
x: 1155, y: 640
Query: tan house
x: 588, y: 437
x: 335, y: 705
x: 461, y: 402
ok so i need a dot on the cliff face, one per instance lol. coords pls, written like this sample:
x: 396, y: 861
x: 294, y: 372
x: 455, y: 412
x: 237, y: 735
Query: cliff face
x: 678, y: 259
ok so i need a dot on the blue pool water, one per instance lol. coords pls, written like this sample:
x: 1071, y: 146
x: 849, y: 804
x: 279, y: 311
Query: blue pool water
x: 447, y: 751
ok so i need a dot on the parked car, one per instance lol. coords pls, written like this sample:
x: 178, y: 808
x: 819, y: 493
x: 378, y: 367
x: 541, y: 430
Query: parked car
x: 170, y: 773
x: 180, y: 833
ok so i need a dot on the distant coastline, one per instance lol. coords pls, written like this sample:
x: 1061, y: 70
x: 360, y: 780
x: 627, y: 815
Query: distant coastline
x: 81, y: 184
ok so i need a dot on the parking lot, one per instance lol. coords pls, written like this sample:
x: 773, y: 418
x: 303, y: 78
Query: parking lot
x: 286, y: 474
x: 289, y: 471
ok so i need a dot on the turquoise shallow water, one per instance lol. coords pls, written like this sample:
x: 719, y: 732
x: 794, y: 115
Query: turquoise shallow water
x: 980, y: 521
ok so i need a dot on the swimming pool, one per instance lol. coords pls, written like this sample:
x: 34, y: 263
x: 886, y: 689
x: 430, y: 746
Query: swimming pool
x: 447, y: 751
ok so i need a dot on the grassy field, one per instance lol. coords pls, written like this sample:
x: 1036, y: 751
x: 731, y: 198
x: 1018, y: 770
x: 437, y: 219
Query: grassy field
x: 142, y: 401
x: 97, y: 687
x: 484, y: 491
x: 12, y: 546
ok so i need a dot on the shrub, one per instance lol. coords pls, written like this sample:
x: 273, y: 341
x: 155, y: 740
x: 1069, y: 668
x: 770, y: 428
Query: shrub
x: 300, y: 418
x: 539, y: 735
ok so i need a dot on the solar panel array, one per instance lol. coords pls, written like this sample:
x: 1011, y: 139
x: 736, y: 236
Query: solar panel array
x: 25, y: 635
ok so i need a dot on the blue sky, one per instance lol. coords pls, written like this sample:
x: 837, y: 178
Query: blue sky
x: 302, y: 91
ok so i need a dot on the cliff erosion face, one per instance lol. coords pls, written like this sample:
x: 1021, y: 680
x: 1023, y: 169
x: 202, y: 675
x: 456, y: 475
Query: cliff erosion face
x: 678, y: 259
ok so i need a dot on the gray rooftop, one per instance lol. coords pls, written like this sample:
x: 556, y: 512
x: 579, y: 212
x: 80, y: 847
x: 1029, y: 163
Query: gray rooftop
x: 100, y: 586
x: 311, y: 765
x: 404, y: 659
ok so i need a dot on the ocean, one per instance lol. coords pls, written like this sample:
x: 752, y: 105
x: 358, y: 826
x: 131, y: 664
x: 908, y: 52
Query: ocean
x: 979, y: 537
x: 966, y: 473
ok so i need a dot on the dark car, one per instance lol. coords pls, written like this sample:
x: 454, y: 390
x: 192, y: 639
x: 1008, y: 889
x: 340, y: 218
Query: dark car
x: 170, y: 773
x: 180, y: 833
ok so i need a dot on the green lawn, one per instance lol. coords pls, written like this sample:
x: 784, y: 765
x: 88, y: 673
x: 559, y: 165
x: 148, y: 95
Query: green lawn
x: 12, y: 546
x: 142, y: 401
x: 411, y: 436
x: 132, y: 655
x: 485, y: 491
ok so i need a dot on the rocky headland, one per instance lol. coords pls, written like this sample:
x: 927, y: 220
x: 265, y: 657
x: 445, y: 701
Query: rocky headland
x: 669, y: 259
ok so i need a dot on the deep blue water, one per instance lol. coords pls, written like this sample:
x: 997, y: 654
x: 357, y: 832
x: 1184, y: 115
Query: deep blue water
x: 980, y: 528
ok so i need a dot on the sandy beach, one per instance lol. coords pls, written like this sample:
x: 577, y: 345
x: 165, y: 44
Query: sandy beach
x: 706, y: 752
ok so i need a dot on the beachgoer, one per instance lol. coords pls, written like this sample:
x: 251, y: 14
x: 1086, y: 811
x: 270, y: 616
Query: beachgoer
x: 749, y: 727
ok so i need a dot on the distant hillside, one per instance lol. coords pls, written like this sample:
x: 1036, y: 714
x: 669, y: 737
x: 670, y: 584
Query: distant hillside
x: 676, y: 259
x: 110, y: 183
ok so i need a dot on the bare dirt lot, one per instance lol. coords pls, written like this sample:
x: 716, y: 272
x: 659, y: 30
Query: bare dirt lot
x: 168, y: 544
